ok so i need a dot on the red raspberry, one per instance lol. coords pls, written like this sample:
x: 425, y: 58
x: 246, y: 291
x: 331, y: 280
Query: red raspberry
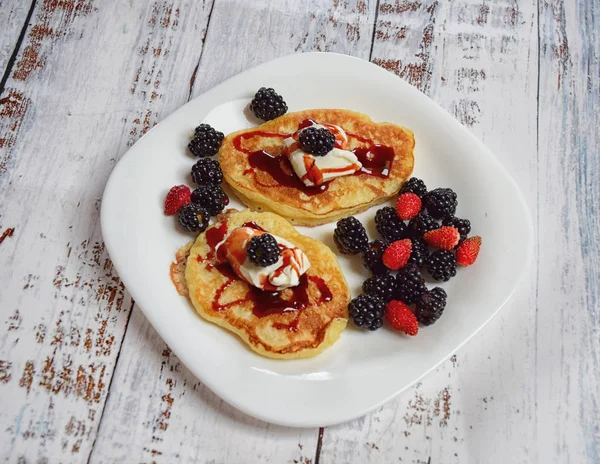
x: 396, y: 255
x: 177, y: 197
x: 446, y: 237
x: 467, y: 251
x: 408, y: 205
x: 401, y: 317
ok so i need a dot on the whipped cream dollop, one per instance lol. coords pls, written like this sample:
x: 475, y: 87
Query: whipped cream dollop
x: 316, y: 170
x: 285, y: 273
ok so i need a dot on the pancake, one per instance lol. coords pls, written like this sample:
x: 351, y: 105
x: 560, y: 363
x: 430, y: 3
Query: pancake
x: 261, y: 318
x: 261, y: 189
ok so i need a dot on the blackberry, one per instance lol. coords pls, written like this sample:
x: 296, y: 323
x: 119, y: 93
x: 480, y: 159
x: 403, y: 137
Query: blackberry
x: 316, y: 141
x: 463, y: 225
x: 420, y: 224
x: 389, y: 225
x: 193, y: 218
x: 418, y: 253
x: 441, y: 265
x: 263, y: 250
x: 382, y: 286
x: 441, y: 202
x: 206, y: 141
x: 410, y: 284
x: 367, y: 311
x: 371, y: 257
x: 267, y: 104
x: 431, y: 306
x: 211, y: 197
x: 207, y: 171
x: 416, y: 186
x: 350, y: 236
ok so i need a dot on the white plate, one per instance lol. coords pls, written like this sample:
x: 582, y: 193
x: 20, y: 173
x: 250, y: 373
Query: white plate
x: 363, y: 369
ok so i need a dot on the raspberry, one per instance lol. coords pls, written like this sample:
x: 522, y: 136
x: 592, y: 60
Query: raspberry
x: 416, y: 186
x: 441, y: 202
x: 446, y: 237
x: 176, y: 198
x: 350, y: 236
x: 402, y: 318
x: 263, y: 250
x: 410, y: 284
x: 211, y: 197
x: 267, y: 104
x: 420, y: 224
x: 419, y: 252
x: 371, y: 257
x: 206, y: 141
x: 441, y: 265
x: 431, y: 306
x: 463, y: 225
x: 382, y: 286
x: 396, y: 255
x: 408, y: 205
x: 367, y: 311
x: 193, y: 218
x: 467, y: 251
x: 207, y: 171
x: 316, y: 141
x: 389, y: 225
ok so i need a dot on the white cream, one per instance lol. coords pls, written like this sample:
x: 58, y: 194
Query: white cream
x: 343, y: 161
x: 287, y: 277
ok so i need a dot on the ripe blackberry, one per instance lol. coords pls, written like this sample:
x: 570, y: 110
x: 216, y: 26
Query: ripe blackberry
x: 441, y: 202
x: 267, y: 104
x: 367, y: 311
x: 418, y: 253
x: 350, y: 236
x: 410, y: 284
x: 416, y: 186
x: 441, y: 265
x: 263, y: 250
x: 193, y: 218
x: 463, y: 225
x: 389, y: 225
x: 420, y: 224
x: 206, y: 141
x: 371, y: 257
x: 382, y: 286
x: 430, y: 306
x: 207, y: 171
x: 316, y: 141
x: 211, y: 197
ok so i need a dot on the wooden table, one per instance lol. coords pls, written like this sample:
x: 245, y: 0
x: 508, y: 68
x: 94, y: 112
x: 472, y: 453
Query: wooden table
x: 85, y: 378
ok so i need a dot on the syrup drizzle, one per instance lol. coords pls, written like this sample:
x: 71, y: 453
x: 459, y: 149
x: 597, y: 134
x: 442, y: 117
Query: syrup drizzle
x: 376, y: 159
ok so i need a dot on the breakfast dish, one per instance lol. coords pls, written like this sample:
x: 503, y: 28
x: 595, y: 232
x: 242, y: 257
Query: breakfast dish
x: 282, y: 293
x: 285, y: 301
x: 317, y: 166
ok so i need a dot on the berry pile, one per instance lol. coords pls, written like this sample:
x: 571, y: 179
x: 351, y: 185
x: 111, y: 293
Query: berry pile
x: 421, y: 234
x: 195, y: 208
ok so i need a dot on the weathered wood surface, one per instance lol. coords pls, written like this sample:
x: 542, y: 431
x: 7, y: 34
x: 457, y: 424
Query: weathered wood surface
x: 91, y: 77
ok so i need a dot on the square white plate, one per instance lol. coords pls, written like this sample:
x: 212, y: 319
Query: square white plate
x: 363, y: 369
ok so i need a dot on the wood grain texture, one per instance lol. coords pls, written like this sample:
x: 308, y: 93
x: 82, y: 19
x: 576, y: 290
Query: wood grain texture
x: 13, y: 16
x: 89, y: 80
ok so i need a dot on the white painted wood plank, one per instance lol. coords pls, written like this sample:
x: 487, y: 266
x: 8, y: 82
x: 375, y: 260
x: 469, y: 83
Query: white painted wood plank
x: 12, y: 18
x: 568, y: 310
x: 201, y: 427
x: 90, y: 79
x: 479, y: 61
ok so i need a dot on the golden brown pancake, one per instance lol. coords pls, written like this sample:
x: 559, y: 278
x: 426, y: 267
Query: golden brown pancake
x: 259, y: 189
x: 258, y: 317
